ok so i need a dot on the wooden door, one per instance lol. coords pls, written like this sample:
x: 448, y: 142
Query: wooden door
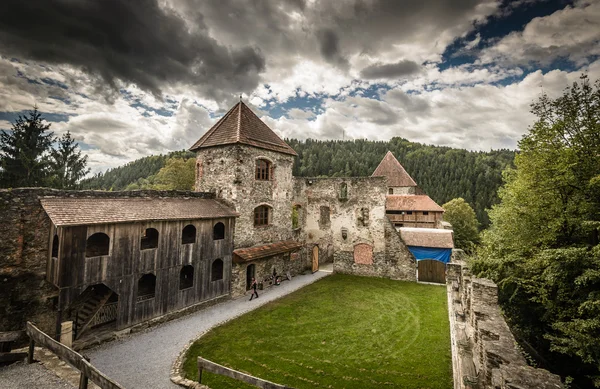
x: 430, y: 270
x: 315, y: 258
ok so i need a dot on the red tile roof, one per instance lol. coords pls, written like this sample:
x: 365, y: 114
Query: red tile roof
x: 411, y: 203
x: 396, y: 175
x: 263, y: 251
x: 86, y: 211
x: 241, y: 125
x: 427, y: 237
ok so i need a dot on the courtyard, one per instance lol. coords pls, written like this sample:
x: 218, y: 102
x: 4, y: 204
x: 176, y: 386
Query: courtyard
x: 340, y: 332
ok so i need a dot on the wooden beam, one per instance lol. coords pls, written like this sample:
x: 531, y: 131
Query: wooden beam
x: 205, y: 364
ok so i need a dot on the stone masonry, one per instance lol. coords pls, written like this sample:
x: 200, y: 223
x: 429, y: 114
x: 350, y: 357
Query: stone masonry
x: 484, y: 351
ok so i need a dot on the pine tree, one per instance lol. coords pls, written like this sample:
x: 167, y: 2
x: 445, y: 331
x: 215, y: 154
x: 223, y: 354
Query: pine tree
x: 24, y: 152
x: 67, y: 166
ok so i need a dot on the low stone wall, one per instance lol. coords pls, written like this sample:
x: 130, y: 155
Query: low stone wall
x: 25, y: 230
x: 484, y: 351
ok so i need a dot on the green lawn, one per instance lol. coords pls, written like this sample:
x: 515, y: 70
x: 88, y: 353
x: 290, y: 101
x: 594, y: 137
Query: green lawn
x: 340, y: 332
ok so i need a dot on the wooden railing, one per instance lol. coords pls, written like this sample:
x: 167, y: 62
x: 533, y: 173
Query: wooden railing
x: 73, y: 358
x: 106, y: 314
x: 205, y: 364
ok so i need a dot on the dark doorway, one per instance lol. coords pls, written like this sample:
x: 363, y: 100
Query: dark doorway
x: 186, y: 277
x: 250, y: 274
x: 146, y: 287
x: 188, y: 235
x: 96, y: 245
x: 149, y: 239
x: 219, y: 231
x: 216, y: 271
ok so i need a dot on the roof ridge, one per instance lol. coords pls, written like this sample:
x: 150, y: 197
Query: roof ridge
x: 239, y: 122
x: 214, y: 128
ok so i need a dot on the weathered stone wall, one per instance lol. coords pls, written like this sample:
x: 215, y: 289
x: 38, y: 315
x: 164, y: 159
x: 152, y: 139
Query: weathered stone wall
x: 294, y: 263
x: 25, y: 294
x: 484, y: 351
x: 229, y: 171
x: 340, y: 215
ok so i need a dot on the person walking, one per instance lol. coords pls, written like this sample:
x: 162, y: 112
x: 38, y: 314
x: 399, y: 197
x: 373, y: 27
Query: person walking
x: 253, y: 285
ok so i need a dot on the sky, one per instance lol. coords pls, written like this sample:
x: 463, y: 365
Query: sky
x: 132, y: 79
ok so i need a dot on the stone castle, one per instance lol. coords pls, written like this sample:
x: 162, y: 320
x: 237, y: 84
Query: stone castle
x: 122, y: 260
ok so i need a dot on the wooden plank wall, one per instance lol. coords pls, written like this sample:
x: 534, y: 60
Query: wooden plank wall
x: 126, y: 263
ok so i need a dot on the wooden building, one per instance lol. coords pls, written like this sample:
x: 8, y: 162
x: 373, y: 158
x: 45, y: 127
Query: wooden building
x: 127, y: 260
x: 413, y: 211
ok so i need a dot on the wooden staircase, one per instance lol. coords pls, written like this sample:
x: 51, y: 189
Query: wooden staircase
x: 88, y: 310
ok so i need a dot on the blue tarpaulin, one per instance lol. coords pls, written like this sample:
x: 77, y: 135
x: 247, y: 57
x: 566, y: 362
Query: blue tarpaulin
x: 442, y: 255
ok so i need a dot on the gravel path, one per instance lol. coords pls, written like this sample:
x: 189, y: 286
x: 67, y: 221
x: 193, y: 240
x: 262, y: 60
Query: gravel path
x: 23, y: 376
x: 144, y: 360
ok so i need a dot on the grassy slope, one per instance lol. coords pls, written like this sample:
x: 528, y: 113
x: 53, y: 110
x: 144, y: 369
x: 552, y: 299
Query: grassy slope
x: 341, y: 332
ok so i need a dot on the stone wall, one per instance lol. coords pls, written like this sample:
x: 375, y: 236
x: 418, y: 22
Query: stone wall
x: 294, y: 263
x: 25, y: 294
x: 229, y: 171
x: 484, y: 351
x: 344, y: 215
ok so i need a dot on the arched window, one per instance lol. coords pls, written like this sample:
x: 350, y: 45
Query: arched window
x: 219, y: 231
x: 216, y: 271
x: 146, y: 287
x: 55, y: 247
x: 149, y: 239
x: 188, y: 235
x: 263, y: 170
x: 391, y: 190
x: 262, y: 215
x: 97, y: 245
x: 343, y: 191
x: 186, y: 277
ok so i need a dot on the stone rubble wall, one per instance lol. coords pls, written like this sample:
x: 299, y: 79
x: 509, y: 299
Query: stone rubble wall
x: 25, y: 294
x: 484, y: 351
x: 360, y: 216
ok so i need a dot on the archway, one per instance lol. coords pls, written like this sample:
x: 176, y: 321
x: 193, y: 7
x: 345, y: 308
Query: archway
x: 250, y: 274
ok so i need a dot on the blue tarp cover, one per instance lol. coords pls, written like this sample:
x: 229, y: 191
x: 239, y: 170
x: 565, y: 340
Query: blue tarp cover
x: 442, y: 255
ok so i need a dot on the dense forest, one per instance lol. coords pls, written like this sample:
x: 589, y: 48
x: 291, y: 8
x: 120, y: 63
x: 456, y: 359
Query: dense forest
x: 443, y: 172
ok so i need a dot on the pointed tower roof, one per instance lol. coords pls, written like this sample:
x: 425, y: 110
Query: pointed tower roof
x: 396, y: 175
x: 241, y: 125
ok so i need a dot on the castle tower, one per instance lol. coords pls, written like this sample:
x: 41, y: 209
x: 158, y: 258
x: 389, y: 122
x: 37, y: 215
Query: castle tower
x: 245, y: 163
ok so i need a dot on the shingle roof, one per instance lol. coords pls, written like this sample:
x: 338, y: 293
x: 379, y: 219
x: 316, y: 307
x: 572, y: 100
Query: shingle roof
x: 427, y: 237
x: 241, y: 125
x: 86, y: 211
x: 411, y: 203
x: 263, y: 251
x: 396, y: 175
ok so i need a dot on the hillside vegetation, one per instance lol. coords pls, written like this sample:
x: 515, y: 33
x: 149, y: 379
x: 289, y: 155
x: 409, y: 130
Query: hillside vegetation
x: 443, y: 172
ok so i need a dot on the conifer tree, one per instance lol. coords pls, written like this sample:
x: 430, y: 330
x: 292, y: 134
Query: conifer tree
x: 24, y: 152
x: 67, y: 165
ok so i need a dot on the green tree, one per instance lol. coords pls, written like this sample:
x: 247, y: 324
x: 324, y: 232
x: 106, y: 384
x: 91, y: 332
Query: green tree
x: 464, y: 223
x: 542, y: 246
x: 67, y: 166
x: 24, y: 152
x: 178, y: 174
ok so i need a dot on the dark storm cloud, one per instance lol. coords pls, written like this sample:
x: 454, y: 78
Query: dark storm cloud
x: 390, y: 70
x: 329, y: 46
x: 137, y: 42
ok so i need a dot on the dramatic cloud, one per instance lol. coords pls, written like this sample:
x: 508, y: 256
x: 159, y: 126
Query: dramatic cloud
x: 140, y: 43
x: 392, y: 70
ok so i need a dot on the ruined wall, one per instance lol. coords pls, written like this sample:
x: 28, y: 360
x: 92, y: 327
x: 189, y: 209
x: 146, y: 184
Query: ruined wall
x: 484, y: 351
x: 344, y: 215
x: 229, y: 171
x: 294, y: 263
x: 25, y: 294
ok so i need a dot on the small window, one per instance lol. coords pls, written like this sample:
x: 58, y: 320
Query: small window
x: 261, y: 215
x: 55, y: 247
x: 263, y: 170
x: 343, y: 191
x: 216, y: 271
x: 186, y: 277
x: 188, y: 235
x: 97, y: 245
x: 425, y: 213
x: 409, y: 212
x: 149, y: 239
x: 296, y: 216
x: 219, y: 231
x: 324, y: 213
x: 391, y: 191
x: 146, y: 287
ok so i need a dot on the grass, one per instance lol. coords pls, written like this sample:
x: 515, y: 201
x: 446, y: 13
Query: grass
x: 340, y: 332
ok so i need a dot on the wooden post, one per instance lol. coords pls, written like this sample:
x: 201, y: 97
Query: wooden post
x: 83, y: 379
x: 199, y: 373
x: 66, y: 333
x: 31, y: 350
